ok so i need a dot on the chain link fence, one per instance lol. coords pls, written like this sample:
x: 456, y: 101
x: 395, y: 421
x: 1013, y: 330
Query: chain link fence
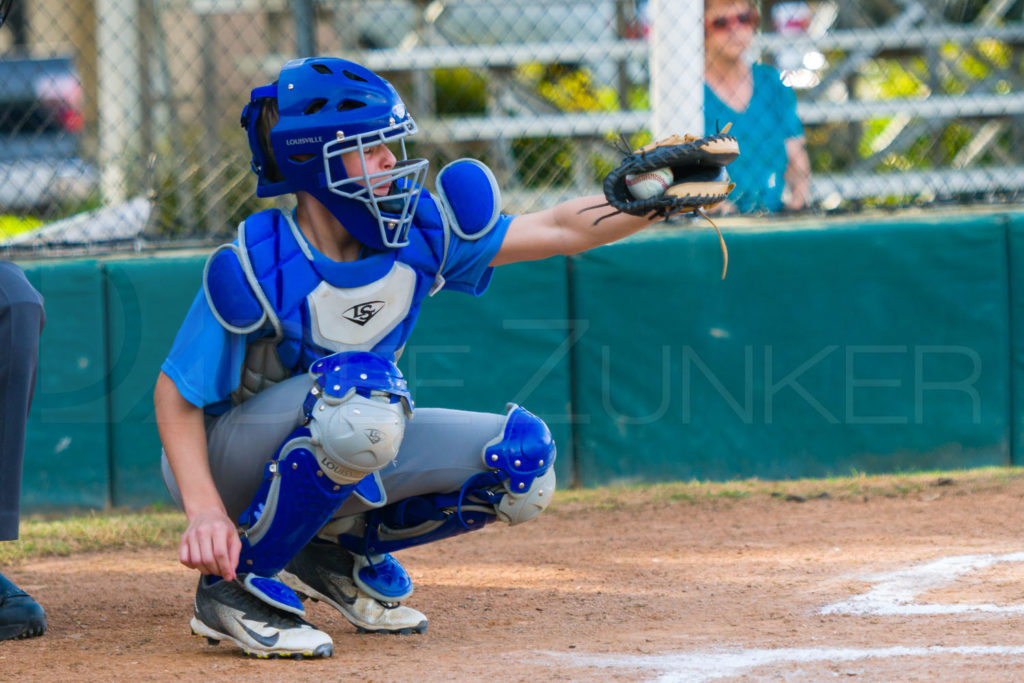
x: 119, y: 118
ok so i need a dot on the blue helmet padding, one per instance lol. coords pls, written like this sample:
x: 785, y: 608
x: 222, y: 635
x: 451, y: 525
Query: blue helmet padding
x: 229, y: 292
x: 374, y: 105
x: 260, y: 162
x: 468, y: 190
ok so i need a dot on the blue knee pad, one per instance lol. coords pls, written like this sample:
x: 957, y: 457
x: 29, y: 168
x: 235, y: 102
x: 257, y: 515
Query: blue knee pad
x: 517, y: 486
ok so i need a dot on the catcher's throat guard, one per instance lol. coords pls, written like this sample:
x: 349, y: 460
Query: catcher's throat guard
x: 699, y: 178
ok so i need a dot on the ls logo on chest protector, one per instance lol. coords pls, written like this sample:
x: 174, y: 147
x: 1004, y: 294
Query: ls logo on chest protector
x: 376, y: 308
x: 361, y: 314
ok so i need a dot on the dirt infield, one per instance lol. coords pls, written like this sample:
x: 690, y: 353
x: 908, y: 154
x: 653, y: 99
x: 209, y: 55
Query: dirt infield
x: 913, y: 579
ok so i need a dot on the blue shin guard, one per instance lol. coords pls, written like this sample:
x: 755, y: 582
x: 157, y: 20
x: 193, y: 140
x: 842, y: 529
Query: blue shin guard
x: 410, y: 522
x: 355, y: 420
x: 294, y: 501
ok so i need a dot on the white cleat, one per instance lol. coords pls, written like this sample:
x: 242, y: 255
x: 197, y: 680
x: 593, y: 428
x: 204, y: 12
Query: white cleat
x: 226, y: 611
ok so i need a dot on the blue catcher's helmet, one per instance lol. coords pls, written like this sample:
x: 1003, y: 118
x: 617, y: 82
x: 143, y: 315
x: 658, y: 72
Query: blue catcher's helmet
x: 327, y: 107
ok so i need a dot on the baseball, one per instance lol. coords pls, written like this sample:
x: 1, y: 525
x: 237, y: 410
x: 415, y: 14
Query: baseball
x: 649, y: 184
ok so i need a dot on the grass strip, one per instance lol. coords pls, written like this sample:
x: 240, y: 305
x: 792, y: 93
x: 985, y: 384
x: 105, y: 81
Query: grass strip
x: 92, y: 531
x: 87, y: 532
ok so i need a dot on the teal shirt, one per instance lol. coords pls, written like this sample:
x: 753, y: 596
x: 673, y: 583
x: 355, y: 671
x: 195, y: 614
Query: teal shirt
x: 761, y: 130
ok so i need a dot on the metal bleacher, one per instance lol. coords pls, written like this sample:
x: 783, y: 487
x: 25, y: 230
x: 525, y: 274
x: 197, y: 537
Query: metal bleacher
x: 417, y: 37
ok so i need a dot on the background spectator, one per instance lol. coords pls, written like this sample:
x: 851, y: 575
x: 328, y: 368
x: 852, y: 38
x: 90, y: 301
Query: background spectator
x: 773, y: 170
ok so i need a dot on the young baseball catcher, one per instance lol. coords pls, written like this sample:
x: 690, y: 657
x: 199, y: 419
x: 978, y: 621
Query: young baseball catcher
x: 290, y: 437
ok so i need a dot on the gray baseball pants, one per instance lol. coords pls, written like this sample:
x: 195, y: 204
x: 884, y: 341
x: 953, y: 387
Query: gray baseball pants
x: 440, y: 451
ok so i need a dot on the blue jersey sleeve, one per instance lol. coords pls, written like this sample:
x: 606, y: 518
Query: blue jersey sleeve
x: 205, y: 361
x: 467, y: 268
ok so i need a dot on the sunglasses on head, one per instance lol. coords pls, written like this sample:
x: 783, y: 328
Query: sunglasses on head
x: 748, y: 18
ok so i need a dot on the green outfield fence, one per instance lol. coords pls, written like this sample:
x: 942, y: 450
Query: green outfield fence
x: 878, y: 345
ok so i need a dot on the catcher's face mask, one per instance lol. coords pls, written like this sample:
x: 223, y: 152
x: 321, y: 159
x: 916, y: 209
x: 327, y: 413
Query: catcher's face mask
x: 328, y: 108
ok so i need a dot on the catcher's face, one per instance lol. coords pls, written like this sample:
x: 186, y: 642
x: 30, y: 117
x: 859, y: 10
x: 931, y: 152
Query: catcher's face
x: 379, y: 159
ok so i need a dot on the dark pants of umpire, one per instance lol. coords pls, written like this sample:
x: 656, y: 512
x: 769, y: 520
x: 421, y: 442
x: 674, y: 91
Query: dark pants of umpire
x: 21, y: 322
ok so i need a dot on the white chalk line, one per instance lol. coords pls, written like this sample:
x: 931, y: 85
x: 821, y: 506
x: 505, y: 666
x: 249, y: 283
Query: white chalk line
x: 895, y: 593
x: 696, y: 667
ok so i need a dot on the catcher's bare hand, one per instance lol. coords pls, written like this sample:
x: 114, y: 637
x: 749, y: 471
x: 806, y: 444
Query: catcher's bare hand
x: 211, y: 544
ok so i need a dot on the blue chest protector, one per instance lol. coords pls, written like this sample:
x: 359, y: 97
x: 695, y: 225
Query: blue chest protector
x: 269, y: 282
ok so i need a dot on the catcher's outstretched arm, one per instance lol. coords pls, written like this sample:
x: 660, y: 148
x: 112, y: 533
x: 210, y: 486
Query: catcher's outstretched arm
x: 563, y: 230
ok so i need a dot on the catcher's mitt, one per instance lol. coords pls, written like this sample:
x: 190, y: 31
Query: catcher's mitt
x: 699, y: 179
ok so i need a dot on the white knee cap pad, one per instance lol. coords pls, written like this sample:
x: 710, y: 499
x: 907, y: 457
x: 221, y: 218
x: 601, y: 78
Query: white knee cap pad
x: 354, y: 436
x: 516, y: 508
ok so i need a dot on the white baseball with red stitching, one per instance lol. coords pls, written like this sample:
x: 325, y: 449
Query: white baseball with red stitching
x: 649, y: 183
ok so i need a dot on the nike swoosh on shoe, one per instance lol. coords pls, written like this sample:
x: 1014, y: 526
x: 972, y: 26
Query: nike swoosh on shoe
x: 266, y: 641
